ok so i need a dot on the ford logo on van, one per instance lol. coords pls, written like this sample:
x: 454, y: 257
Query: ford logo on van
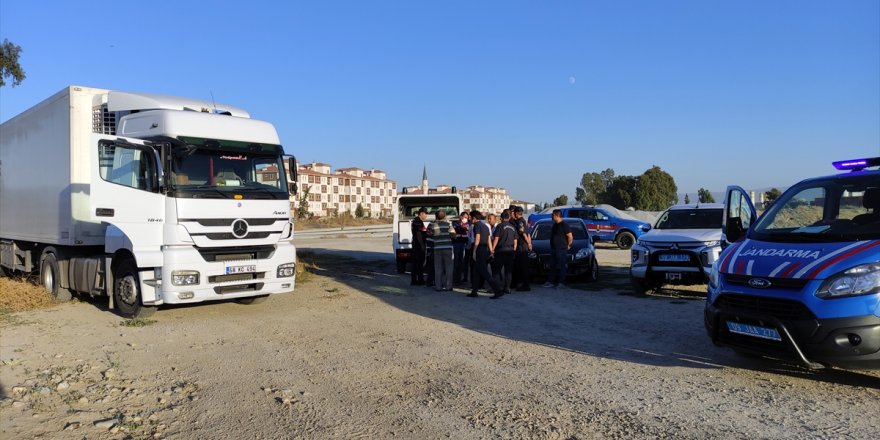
x: 759, y: 283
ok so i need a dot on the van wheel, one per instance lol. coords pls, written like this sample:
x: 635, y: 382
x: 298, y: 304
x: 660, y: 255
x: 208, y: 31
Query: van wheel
x: 625, y: 240
x: 593, y: 272
x: 253, y: 300
x: 50, y: 278
x: 127, y: 292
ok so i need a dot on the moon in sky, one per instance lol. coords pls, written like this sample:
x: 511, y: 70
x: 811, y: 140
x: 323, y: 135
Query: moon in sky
x: 572, y: 80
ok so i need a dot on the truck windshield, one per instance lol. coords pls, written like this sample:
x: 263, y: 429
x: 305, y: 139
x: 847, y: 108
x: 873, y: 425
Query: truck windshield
x: 219, y: 169
x: 842, y: 208
x: 690, y: 219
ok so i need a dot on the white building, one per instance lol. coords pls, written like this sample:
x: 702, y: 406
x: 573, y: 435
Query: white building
x: 340, y: 191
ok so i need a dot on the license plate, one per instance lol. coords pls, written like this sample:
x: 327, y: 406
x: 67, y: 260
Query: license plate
x: 754, y: 330
x: 673, y: 276
x: 240, y: 269
x: 675, y: 258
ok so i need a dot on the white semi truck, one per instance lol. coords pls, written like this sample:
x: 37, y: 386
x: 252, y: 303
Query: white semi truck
x: 147, y: 199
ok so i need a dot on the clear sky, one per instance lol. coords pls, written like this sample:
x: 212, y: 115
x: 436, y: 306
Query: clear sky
x: 525, y: 95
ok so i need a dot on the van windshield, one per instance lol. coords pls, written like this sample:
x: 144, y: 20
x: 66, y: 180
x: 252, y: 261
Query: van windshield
x: 841, y: 208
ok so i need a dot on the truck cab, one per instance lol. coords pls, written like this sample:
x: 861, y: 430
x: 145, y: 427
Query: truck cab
x: 802, y: 281
x: 408, y: 206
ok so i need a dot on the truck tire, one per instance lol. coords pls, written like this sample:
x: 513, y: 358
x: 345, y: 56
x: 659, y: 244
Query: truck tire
x: 127, y: 291
x: 253, y: 300
x: 401, y: 266
x: 50, y: 278
x: 625, y: 240
x: 593, y: 272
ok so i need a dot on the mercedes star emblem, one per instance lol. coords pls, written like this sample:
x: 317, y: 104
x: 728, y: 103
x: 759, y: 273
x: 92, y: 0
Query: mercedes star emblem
x: 239, y: 228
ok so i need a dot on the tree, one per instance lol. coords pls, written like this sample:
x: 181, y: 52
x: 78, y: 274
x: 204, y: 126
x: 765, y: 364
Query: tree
x: 705, y: 196
x: 591, y: 189
x: 687, y: 199
x: 656, y: 190
x: 359, y: 211
x: 9, y: 65
x: 621, y: 193
x: 772, y: 195
x: 561, y: 200
x: 303, y: 210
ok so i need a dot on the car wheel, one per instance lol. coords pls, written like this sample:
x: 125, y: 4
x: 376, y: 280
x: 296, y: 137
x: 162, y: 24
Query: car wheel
x: 593, y: 272
x: 625, y: 240
x: 50, y: 278
x: 127, y: 291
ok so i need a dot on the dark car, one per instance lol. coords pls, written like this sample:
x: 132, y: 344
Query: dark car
x: 581, y: 256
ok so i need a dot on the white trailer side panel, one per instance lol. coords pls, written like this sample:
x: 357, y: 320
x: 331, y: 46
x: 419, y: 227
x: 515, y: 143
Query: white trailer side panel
x: 44, y: 170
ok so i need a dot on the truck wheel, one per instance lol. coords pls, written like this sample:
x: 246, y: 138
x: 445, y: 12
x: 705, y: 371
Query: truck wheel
x: 401, y: 266
x: 50, y: 278
x: 593, y: 272
x: 253, y: 300
x: 625, y: 240
x: 127, y: 292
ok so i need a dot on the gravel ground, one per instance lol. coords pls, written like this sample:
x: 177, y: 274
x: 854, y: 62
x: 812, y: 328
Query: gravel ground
x: 357, y: 353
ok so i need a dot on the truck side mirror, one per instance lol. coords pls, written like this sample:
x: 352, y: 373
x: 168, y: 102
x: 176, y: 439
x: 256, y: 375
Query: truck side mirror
x: 292, y: 174
x: 292, y: 188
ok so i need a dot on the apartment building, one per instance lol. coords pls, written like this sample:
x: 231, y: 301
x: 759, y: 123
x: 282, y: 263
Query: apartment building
x: 340, y: 191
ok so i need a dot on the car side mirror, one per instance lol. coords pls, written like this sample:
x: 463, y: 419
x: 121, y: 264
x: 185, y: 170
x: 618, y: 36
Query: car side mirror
x: 646, y: 228
x: 734, y: 229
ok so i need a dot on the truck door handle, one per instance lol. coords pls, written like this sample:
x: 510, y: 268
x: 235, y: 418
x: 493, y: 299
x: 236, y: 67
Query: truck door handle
x: 104, y: 212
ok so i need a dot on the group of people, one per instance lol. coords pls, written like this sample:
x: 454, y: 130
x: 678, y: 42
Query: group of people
x: 473, y: 247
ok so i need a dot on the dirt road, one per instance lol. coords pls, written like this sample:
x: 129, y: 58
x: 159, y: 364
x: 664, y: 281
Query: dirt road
x: 357, y: 353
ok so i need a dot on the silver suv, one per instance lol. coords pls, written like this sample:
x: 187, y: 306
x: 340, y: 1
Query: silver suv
x: 680, y: 249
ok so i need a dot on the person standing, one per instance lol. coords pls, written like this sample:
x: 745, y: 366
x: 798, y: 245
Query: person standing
x: 504, y: 244
x: 459, y: 247
x: 560, y: 242
x: 419, y: 245
x: 521, y: 265
x: 482, y: 250
x: 443, y: 234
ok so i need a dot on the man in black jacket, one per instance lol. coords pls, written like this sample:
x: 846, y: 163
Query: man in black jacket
x: 482, y: 250
x: 419, y: 245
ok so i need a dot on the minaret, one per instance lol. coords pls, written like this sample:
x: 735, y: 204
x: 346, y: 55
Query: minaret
x: 425, y: 180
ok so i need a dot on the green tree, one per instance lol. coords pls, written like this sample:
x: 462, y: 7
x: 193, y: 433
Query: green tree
x: 656, y: 190
x: 359, y: 211
x: 303, y: 210
x: 705, y: 196
x: 9, y: 65
x: 622, y: 192
x: 772, y: 195
x: 687, y: 199
x: 561, y: 200
x: 591, y: 189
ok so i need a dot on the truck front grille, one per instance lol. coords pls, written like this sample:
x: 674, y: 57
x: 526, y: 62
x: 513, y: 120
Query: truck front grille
x: 236, y: 253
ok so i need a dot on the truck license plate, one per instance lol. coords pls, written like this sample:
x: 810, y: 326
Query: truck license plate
x: 675, y: 258
x: 241, y: 269
x: 754, y: 330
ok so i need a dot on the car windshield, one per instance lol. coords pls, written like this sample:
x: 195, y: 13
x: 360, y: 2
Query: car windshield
x: 219, y: 170
x: 543, y: 229
x: 842, y: 208
x: 690, y: 219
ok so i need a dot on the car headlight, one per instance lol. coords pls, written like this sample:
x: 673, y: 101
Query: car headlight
x: 286, y: 270
x: 582, y: 253
x: 184, y: 277
x: 713, y: 275
x: 712, y: 243
x: 859, y: 280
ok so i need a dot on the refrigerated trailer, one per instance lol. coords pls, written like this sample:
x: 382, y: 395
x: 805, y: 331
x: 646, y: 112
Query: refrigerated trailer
x: 146, y: 199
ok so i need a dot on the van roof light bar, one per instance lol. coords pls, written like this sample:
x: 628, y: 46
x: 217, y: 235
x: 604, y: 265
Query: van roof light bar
x: 856, y: 164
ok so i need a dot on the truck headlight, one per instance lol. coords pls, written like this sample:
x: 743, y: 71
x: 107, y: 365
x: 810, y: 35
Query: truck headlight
x: 286, y: 270
x: 859, y: 280
x: 713, y: 275
x: 184, y: 277
x: 582, y: 253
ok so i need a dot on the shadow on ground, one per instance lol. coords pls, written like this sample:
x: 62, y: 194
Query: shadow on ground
x: 601, y: 319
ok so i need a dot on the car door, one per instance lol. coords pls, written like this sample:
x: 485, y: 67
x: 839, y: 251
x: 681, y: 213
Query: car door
x: 739, y: 215
x: 603, y: 223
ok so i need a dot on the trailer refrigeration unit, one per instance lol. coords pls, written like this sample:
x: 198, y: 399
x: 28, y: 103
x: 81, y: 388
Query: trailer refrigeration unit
x: 147, y: 199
